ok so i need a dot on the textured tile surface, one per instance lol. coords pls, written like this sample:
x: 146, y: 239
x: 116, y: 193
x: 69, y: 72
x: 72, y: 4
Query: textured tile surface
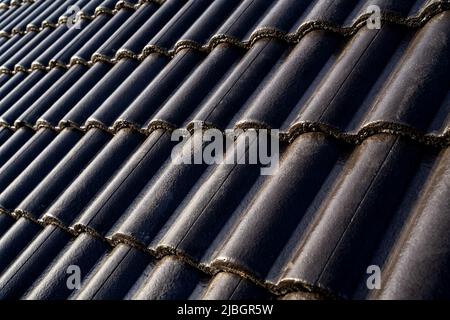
x: 86, y: 177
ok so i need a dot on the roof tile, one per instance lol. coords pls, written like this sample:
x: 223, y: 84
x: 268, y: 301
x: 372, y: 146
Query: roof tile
x: 87, y: 179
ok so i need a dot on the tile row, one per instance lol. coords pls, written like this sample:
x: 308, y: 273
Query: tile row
x: 328, y: 212
x: 12, y: 4
x: 377, y: 81
x: 199, y: 24
x: 41, y: 15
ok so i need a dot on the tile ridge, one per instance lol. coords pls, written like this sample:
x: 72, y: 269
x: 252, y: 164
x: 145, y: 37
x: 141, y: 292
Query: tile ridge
x: 441, y: 140
x: 120, y: 4
x: 261, y: 33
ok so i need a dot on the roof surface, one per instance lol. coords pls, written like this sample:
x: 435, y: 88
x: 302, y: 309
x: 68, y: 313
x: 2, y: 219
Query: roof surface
x: 86, y: 176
